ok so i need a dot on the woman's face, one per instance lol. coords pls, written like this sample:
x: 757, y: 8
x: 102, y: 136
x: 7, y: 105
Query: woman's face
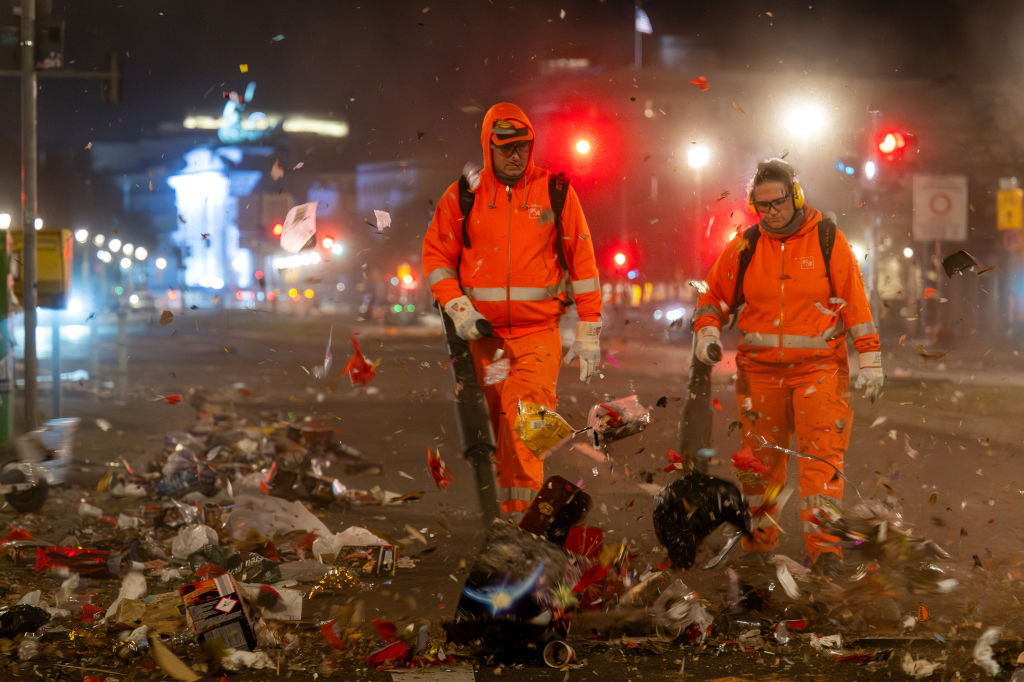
x: 774, y: 203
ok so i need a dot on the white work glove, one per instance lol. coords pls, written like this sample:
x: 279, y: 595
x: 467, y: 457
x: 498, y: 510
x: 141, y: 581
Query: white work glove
x: 869, y: 374
x: 709, y: 338
x: 586, y: 347
x: 465, y: 317
x: 472, y: 173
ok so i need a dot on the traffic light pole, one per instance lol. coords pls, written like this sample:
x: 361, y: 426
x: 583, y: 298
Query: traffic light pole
x: 29, y: 206
x: 7, y: 349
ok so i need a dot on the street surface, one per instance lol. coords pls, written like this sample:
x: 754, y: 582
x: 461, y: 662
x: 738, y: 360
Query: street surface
x: 943, y: 442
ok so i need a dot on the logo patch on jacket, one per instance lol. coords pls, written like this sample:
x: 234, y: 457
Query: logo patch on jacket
x: 535, y: 211
x: 805, y: 262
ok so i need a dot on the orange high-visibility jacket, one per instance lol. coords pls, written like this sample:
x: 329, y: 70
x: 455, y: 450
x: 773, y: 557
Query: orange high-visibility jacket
x: 790, y: 315
x: 511, y: 271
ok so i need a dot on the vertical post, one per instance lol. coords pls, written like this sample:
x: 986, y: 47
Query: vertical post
x: 29, y: 178
x: 94, y: 358
x: 57, y: 386
x: 122, y: 356
x: 6, y: 349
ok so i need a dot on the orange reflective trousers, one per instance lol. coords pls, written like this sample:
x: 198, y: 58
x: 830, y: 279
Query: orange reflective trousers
x: 810, y: 400
x: 533, y: 375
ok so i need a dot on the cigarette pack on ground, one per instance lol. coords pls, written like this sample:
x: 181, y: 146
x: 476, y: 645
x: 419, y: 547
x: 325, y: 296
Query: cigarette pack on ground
x: 215, y: 610
x: 367, y: 560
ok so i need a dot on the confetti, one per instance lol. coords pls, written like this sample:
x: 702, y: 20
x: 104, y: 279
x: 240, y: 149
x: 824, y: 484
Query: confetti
x: 103, y: 424
x: 738, y: 108
x: 173, y: 399
x: 717, y: 404
x: 928, y: 293
x: 276, y: 171
x: 358, y: 369
x: 702, y: 83
x: 243, y: 68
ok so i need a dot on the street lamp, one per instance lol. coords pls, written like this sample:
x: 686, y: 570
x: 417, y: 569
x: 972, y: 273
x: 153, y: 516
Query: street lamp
x: 5, y: 221
x: 126, y: 263
x: 98, y: 240
x: 141, y: 253
x: 806, y: 120
x: 81, y: 235
x: 104, y: 256
x: 114, y: 245
x: 698, y: 156
x: 38, y: 224
x: 128, y: 249
x: 160, y: 263
x: 908, y: 252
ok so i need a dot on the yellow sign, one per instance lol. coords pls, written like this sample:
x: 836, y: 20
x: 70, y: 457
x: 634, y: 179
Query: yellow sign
x: 1009, y: 211
x: 53, y: 266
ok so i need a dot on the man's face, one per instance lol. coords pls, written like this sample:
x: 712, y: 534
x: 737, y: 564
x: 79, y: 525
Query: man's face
x: 774, y: 203
x: 510, y: 159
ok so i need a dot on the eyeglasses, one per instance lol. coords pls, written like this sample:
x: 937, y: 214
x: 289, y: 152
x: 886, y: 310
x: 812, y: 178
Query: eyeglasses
x: 507, y: 150
x: 767, y: 206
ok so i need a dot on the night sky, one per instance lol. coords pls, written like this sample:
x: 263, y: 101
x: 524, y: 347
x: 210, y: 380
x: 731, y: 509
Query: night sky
x: 395, y: 68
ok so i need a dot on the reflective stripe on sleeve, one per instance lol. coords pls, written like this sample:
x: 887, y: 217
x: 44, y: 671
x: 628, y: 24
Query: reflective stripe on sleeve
x: 863, y: 329
x: 438, y: 274
x: 583, y: 286
x: 709, y: 310
x: 518, y: 494
x: 494, y: 294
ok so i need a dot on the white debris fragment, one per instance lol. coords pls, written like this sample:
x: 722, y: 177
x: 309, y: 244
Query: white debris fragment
x: 983, y: 650
x: 299, y: 226
x: 919, y: 668
x: 383, y: 218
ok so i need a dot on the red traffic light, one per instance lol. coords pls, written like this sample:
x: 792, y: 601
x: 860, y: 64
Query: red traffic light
x: 278, y: 229
x: 620, y: 259
x: 582, y: 146
x: 893, y: 143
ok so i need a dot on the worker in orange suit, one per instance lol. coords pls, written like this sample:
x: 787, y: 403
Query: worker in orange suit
x: 793, y: 370
x: 510, y: 274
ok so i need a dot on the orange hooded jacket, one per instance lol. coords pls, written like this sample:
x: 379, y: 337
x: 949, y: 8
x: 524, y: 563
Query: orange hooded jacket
x: 511, y: 271
x: 790, y: 315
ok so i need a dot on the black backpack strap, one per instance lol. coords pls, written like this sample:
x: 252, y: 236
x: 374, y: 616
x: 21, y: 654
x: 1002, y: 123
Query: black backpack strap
x: 826, y: 240
x: 558, y: 189
x: 750, y: 235
x: 466, y: 199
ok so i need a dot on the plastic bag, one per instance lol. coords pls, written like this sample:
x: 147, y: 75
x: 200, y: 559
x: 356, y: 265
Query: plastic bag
x: 540, y: 428
x: 618, y: 419
x: 191, y: 539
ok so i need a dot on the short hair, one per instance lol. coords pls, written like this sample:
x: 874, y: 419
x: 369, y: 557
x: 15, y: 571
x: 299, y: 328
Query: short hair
x: 772, y: 170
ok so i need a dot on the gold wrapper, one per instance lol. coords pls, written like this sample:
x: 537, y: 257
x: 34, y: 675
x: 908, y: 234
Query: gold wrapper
x: 540, y: 428
x: 338, y: 578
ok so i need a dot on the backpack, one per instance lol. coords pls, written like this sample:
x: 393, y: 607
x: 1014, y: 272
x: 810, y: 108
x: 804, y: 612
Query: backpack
x: 826, y: 240
x: 558, y: 189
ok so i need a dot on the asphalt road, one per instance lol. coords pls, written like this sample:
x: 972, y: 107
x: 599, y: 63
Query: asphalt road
x: 946, y: 450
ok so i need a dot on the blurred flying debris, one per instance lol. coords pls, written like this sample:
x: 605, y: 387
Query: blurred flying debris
x: 928, y: 293
x: 497, y: 370
x: 929, y: 354
x: 243, y: 68
x: 276, y: 171
x: 278, y: 38
x: 617, y: 419
x: 358, y: 369
x: 701, y: 286
x: 299, y: 227
x: 738, y: 108
x: 382, y: 220
x: 540, y: 428
x: 166, y: 317
x: 442, y: 474
x: 172, y: 399
x: 959, y: 262
x: 103, y: 424
x: 321, y: 372
x: 701, y: 82
x: 919, y: 668
x: 983, y: 650
x: 723, y: 195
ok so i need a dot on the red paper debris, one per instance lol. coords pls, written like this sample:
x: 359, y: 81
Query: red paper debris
x: 391, y: 654
x: 928, y: 292
x: 674, y: 461
x: 585, y: 541
x: 385, y: 628
x: 269, y: 551
x: 307, y: 542
x: 358, y: 369
x: 331, y: 635
x: 717, y: 404
x: 83, y: 561
x: 903, y: 338
x: 744, y: 460
x: 442, y: 475
x: 89, y: 611
x: 701, y: 82
x: 173, y: 399
x: 16, y: 534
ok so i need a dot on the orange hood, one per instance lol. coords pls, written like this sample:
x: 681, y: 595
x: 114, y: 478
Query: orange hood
x: 503, y: 110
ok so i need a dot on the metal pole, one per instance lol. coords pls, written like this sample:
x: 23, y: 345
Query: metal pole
x: 29, y: 178
x: 57, y: 386
x: 7, y: 349
x: 94, y: 359
x: 122, y: 356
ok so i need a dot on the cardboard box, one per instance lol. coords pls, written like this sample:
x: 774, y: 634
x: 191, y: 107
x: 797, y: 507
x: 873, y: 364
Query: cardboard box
x: 215, y: 610
x: 368, y: 560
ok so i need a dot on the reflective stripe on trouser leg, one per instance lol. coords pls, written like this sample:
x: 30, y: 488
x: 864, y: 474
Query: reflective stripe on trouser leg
x: 763, y: 408
x: 533, y: 374
x: 823, y: 419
